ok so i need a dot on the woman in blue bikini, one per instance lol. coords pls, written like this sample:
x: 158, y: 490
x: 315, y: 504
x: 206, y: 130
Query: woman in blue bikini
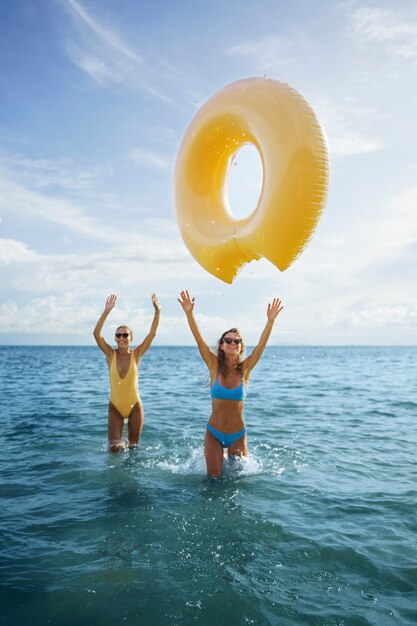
x: 229, y: 374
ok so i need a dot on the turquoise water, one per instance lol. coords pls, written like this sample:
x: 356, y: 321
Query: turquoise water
x: 317, y: 527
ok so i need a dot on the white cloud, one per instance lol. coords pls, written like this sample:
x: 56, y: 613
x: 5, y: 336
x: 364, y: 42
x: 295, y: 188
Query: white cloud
x: 146, y: 158
x: 104, y: 34
x: 42, y: 173
x: 396, y: 30
x: 63, y: 295
x: 349, y: 142
x: 108, y: 59
x: 93, y: 66
x: 380, y: 237
x: 396, y: 228
x: 376, y: 315
x: 130, y: 266
x: 77, y: 217
x: 12, y: 251
x: 62, y: 315
x: 271, y: 51
x: 17, y: 200
x: 348, y: 127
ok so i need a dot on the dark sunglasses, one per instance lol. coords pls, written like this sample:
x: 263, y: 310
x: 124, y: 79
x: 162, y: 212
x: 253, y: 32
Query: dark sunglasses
x: 229, y: 341
x: 125, y: 335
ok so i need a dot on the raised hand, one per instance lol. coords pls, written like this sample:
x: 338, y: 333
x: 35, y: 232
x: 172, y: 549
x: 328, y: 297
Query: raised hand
x: 186, y: 301
x: 155, y: 302
x: 274, y: 309
x: 110, y: 302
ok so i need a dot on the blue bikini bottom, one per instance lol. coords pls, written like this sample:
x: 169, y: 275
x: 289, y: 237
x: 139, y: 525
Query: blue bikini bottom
x: 225, y: 439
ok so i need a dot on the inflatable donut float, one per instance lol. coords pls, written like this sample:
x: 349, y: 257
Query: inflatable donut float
x: 278, y: 121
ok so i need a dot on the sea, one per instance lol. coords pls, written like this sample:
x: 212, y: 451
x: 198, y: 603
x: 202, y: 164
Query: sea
x: 316, y: 527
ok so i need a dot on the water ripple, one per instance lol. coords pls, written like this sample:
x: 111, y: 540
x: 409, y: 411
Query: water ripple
x: 317, y: 527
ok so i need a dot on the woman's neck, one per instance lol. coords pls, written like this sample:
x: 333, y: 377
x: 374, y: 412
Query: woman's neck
x: 231, y: 361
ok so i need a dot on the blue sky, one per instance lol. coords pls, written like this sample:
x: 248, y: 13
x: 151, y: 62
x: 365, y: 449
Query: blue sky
x: 96, y: 96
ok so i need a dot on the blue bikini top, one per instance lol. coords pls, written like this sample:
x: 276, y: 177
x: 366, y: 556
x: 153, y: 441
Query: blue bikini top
x: 218, y: 392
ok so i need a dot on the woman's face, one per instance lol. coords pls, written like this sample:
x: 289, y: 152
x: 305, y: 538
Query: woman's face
x: 231, y: 343
x: 122, y: 336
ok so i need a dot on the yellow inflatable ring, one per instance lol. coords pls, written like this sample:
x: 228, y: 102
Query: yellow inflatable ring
x: 277, y: 120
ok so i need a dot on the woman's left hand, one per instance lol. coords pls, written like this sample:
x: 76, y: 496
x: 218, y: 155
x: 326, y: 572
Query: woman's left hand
x: 274, y: 309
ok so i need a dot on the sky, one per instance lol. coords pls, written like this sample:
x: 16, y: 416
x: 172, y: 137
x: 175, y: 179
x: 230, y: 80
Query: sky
x: 96, y: 96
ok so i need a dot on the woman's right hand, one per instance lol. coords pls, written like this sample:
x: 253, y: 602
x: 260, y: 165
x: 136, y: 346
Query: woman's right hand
x: 155, y: 302
x: 110, y: 302
x: 186, y: 302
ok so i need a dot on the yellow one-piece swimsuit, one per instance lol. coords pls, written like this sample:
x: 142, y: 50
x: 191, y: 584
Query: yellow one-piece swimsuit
x: 124, y: 393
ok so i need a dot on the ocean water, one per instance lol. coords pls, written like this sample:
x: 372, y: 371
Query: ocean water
x: 317, y: 527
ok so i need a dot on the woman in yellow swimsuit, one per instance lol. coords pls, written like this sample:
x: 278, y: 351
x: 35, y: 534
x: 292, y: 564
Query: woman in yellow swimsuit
x: 125, y: 402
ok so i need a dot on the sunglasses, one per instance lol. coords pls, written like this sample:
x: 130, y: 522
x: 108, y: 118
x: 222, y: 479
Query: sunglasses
x: 125, y: 335
x: 229, y: 341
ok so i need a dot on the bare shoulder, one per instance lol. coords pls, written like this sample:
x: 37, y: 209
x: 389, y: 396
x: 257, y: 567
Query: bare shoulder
x: 246, y: 368
x: 212, y: 363
x: 137, y: 354
x: 109, y: 352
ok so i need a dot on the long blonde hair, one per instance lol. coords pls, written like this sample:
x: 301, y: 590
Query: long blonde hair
x: 223, y: 369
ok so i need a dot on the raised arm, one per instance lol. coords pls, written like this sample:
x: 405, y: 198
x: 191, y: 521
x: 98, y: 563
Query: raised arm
x: 146, y: 343
x: 101, y: 342
x: 207, y: 355
x: 274, y: 309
